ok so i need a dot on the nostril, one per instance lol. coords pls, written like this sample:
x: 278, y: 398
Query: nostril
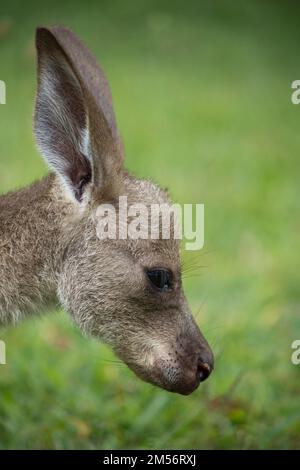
x: 203, y: 371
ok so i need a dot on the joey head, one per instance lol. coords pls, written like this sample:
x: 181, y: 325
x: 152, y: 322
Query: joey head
x: 125, y: 292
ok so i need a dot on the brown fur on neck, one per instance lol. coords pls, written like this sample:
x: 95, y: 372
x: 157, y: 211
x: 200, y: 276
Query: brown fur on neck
x: 31, y: 221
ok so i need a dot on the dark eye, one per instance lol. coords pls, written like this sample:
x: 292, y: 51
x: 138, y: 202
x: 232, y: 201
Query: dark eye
x: 160, y: 278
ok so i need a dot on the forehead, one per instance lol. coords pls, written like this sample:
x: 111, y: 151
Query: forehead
x: 156, y: 252
x: 142, y: 196
x: 144, y: 191
x: 147, y: 192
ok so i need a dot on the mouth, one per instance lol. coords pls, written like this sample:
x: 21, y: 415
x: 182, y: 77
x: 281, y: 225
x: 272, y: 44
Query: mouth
x: 182, y: 389
x: 183, y: 381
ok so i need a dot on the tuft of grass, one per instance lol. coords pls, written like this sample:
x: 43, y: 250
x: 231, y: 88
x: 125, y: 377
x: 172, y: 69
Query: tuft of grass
x: 202, y: 95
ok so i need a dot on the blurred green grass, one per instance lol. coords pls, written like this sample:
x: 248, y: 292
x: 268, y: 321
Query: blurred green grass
x: 202, y: 94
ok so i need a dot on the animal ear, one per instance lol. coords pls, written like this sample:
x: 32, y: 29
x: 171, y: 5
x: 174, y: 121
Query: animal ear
x: 74, y: 121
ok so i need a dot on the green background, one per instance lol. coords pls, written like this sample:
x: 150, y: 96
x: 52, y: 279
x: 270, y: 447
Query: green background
x: 202, y: 91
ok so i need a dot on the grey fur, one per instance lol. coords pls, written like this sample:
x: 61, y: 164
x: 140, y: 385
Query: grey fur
x: 49, y: 250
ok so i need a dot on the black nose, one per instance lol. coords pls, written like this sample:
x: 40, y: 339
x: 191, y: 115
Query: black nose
x: 203, y: 370
x: 192, y: 377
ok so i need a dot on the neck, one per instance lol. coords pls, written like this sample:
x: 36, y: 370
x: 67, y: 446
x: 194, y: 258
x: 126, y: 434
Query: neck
x: 31, y: 244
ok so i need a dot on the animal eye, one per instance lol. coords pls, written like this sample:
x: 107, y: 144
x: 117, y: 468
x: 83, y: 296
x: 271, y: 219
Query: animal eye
x: 160, y: 278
